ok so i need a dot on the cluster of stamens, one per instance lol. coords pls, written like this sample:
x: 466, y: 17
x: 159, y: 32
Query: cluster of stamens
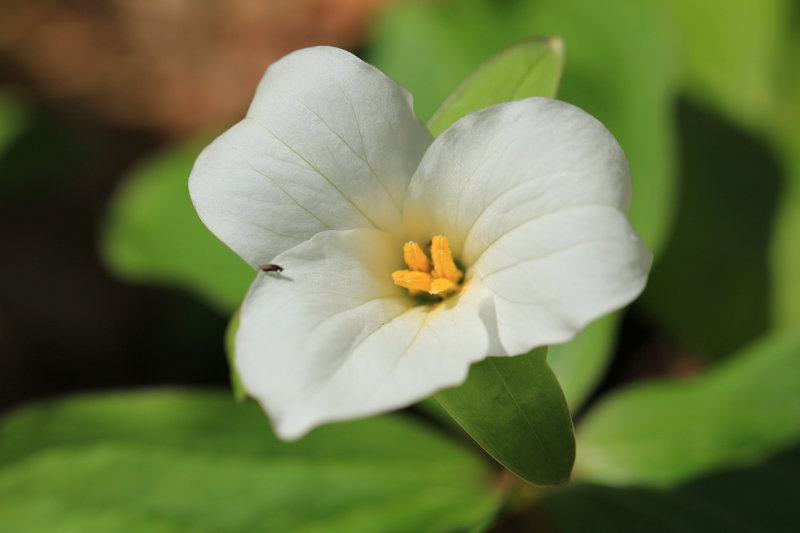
x: 438, y: 275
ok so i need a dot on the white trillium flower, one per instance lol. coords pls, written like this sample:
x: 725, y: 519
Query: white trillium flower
x: 332, y: 177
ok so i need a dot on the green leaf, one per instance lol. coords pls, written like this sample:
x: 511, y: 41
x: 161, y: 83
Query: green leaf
x: 530, y: 68
x: 580, y: 364
x: 197, y: 462
x: 153, y: 235
x: 514, y: 408
x: 663, y: 433
x: 741, y: 501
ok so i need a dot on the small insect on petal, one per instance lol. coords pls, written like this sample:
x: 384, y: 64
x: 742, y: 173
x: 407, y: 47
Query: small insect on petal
x: 271, y: 268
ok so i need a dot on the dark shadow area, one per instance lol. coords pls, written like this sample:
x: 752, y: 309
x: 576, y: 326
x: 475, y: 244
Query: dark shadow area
x: 710, y: 288
x: 65, y: 324
x: 748, y: 499
x: 642, y: 352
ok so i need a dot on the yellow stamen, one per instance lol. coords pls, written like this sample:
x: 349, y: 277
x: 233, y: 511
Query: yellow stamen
x: 411, y: 280
x: 444, y: 277
x: 440, y: 285
x: 443, y: 264
x: 415, y: 258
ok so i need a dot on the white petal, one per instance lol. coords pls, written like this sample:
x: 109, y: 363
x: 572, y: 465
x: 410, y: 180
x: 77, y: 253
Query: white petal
x: 554, y: 274
x: 333, y: 338
x: 329, y: 142
x: 496, y: 168
x: 532, y: 195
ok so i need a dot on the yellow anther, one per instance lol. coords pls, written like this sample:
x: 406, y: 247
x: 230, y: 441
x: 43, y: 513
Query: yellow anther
x: 412, y: 280
x: 442, y: 280
x: 440, y: 285
x: 443, y: 264
x: 415, y: 258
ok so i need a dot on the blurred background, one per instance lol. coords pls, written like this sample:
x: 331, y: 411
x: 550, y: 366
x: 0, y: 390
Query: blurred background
x: 90, y: 90
x: 109, y: 281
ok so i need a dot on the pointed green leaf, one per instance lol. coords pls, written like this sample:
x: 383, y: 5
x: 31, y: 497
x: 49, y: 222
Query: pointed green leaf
x: 152, y: 234
x: 529, y: 68
x: 183, y: 462
x: 666, y: 432
x: 514, y: 408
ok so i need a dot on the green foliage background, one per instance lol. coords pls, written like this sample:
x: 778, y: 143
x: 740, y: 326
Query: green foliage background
x: 705, y: 99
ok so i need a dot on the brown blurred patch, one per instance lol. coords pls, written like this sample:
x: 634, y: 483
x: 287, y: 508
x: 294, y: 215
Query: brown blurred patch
x: 173, y: 66
x: 660, y: 359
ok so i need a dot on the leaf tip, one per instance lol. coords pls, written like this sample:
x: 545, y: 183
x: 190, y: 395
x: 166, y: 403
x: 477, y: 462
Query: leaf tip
x: 555, y: 43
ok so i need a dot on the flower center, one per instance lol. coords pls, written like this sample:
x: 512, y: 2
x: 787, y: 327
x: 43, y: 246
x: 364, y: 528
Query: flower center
x: 442, y: 279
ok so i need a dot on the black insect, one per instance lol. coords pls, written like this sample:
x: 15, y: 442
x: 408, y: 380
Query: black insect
x: 271, y: 268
